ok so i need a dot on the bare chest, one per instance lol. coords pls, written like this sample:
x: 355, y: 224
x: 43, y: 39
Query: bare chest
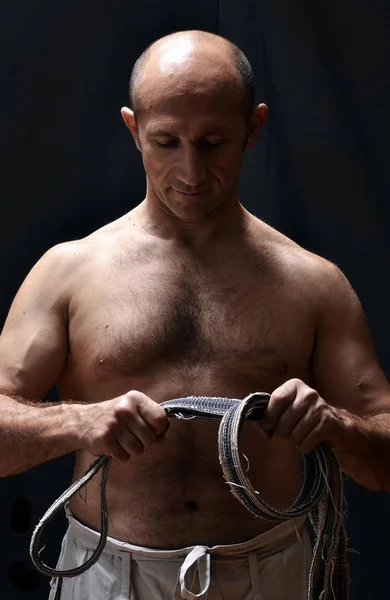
x: 157, y: 320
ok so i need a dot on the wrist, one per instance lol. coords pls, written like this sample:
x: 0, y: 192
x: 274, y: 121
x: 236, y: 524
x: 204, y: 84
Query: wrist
x: 345, y: 426
x: 71, y: 425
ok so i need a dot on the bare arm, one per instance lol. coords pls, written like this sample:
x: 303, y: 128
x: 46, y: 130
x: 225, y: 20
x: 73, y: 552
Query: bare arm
x: 33, y: 351
x: 349, y: 408
x: 348, y: 376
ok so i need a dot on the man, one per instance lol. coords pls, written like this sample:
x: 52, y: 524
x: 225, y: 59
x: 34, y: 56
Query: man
x: 189, y: 294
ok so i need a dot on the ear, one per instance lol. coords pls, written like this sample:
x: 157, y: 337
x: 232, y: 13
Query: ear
x: 256, y: 123
x: 130, y: 122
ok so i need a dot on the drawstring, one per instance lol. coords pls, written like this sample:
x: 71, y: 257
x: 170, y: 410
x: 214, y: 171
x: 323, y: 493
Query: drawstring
x: 255, y: 577
x: 199, y: 558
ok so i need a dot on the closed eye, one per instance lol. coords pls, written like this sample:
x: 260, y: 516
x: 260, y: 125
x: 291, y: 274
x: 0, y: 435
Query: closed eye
x: 170, y: 144
x: 212, y: 143
x: 203, y: 143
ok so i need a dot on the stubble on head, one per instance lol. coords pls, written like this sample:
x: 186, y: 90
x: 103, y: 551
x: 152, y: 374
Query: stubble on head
x: 188, y: 88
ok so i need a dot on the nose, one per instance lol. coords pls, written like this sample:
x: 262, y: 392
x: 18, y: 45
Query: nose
x: 191, y: 170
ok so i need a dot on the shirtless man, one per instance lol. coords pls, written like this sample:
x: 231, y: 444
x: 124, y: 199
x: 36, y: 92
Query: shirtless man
x: 189, y: 294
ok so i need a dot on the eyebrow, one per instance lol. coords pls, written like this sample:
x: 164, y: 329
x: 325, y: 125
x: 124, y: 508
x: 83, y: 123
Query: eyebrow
x: 161, y: 132
x: 167, y: 133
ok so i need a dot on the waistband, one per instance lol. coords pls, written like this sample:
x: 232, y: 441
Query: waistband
x: 266, y: 543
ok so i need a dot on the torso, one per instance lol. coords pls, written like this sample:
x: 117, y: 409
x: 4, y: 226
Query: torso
x: 227, y: 321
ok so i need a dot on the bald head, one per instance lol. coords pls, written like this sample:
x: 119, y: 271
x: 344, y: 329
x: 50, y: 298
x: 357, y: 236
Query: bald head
x: 187, y: 63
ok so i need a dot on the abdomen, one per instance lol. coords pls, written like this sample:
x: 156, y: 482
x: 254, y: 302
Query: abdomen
x: 175, y: 495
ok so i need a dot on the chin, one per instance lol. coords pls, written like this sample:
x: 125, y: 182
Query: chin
x: 191, y: 216
x: 196, y: 210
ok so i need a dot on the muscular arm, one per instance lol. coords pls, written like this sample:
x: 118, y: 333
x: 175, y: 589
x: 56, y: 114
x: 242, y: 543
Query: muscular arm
x: 347, y: 375
x: 33, y: 351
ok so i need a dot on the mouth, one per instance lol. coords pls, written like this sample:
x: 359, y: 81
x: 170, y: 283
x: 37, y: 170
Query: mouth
x: 197, y: 193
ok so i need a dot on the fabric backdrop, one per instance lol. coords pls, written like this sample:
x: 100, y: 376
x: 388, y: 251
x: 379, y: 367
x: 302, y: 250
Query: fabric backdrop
x: 319, y: 174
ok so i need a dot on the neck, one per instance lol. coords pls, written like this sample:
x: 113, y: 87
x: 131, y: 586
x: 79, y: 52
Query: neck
x: 226, y: 221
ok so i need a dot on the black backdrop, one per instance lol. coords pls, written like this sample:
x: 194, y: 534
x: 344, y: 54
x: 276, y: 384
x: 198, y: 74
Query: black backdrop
x: 319, y: 174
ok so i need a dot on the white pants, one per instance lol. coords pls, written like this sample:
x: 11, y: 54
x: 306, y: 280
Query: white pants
x: 272, y: 566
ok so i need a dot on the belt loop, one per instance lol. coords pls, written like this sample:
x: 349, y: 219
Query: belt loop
x: 199, y: 557
x: 255, y: 577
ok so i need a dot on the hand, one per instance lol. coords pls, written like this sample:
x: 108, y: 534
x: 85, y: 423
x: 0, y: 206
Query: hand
x: 297, y: 413
x: 123, y: 427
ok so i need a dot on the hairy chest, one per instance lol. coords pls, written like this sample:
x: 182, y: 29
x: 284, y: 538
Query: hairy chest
x: 160, y: 318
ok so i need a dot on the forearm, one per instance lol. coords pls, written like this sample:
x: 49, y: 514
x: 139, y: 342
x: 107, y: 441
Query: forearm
x: 364, y: 450
x: 31, y: 434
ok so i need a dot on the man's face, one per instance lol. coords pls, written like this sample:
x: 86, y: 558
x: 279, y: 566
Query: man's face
x: 192, y: 149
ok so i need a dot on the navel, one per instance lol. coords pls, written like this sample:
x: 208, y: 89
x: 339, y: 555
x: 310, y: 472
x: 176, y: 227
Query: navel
x: 192, y: 505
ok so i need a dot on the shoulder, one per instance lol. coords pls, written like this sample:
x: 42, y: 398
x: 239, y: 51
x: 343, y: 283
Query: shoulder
x: 61, y: 262
x: 324, y: 281
x: 70, y: 266
x: 314, y: 275
x: 48, y: 284
x: 70, y: 259
x: 63, y: 267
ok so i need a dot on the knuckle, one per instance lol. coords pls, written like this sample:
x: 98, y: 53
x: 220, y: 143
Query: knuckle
x: 125, y: 407
x: 312, y: 394
x: 130, y: 400
x: 308, y: 399
x: 294, y: 384
x: 276, y: 395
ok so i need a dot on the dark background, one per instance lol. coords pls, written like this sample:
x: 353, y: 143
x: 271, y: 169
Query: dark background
x: 320, y: 174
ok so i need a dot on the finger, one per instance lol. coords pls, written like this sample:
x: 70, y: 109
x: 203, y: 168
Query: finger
x: 160, y: 439
x: 290, y: 417
x: 153, y: 414
x: 314, y: 437
x: 304, y: 429
x: 117, y: 453
x: 142, y: 431
x: 278, y: 402
x: 130, y: 444
x: 267, y: 435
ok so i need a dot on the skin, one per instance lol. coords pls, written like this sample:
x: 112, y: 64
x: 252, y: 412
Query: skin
x: 189, y: 294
